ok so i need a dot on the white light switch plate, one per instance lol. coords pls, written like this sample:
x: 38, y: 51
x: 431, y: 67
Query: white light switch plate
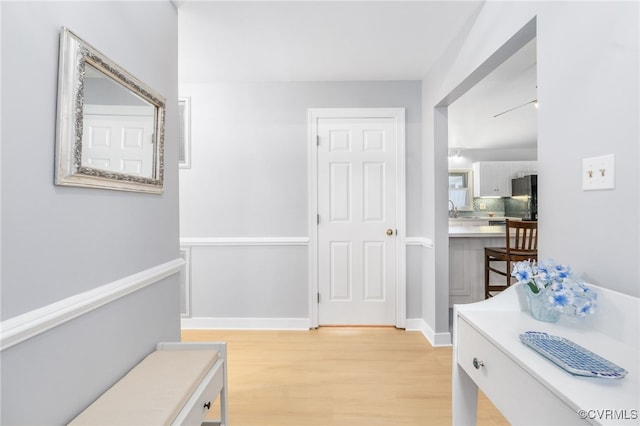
x: 598, y: 173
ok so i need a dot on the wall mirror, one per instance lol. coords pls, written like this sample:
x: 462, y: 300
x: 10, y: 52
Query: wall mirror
x: 110, y: 124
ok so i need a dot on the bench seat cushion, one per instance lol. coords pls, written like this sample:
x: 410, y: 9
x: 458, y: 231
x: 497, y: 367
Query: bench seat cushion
x: 153, y: 392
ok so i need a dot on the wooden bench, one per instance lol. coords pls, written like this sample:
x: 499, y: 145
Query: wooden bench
x: 175, y: 385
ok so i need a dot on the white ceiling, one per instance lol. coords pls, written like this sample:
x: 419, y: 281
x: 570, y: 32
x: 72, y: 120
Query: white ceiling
x: 316, y: 40
x: 352, y: 41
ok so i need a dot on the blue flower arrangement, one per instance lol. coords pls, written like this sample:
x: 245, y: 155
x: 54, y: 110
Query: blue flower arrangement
x: 563, y: 292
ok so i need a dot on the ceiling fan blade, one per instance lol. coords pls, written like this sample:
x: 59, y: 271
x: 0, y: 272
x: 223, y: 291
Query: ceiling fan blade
x: 535, y: 101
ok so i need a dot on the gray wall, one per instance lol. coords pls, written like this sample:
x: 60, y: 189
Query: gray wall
x: 589, y: 106
x: 249, y: 179
x: 61, y: 241
x: 469, y: 156
x: 591, y: 111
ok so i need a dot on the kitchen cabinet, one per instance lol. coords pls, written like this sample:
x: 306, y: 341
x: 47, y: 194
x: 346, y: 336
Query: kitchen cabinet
x: 493, y: 178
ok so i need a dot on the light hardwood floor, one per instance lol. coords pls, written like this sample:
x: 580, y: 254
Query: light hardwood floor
x: 338, y: 376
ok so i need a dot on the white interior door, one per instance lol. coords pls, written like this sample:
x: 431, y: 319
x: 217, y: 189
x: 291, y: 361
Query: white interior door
x: 119, y: 143
x: 357, y: 238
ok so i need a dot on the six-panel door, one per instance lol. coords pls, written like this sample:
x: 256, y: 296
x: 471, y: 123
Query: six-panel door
x: 357, y: 223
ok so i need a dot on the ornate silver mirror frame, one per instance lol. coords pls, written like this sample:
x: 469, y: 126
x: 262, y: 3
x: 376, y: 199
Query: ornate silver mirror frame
x: 94, y: 152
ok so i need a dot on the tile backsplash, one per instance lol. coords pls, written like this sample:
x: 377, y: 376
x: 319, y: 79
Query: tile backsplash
x: 495, y: 205
x: 510, y: 207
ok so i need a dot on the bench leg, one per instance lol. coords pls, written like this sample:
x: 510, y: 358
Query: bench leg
x: 223, y: 403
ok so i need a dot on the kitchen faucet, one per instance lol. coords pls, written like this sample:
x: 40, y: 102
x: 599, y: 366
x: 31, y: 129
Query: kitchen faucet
x: 453, y: 212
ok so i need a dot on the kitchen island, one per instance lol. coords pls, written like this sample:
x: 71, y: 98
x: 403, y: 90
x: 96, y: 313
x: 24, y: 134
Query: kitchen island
x: 466, y: 260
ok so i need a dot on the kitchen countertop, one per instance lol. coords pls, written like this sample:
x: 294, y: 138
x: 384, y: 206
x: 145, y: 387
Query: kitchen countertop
x: 476, y: 231
x: 488, y: 218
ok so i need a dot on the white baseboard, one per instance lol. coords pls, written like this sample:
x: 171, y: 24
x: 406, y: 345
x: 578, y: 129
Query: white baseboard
x: 245, y: 323
x: 436, y: 339
x: 417, y: 324
x: 243, y: 241
x: 25, y: 326
x: 274, y: 241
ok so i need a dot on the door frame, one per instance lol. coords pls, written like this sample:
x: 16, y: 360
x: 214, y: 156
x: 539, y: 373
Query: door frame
x: 398, y: 115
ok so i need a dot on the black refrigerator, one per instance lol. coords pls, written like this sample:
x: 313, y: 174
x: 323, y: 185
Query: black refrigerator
x: 525, y: 190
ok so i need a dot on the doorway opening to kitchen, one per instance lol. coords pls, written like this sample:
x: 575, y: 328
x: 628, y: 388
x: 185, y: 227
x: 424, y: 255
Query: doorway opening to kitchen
x: 488, y: 125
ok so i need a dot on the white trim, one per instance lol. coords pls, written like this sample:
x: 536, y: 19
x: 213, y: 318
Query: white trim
x: 186, y: 276
x: 401, y: 274
x: 245, y: 323
x: 119, y: 110
x: 401, y: 218
x: 419, y: 241
x: 312, y: 181
x: 436, y: 339
x: 413, y: 324
x: 22, y: 327
x: 185, y: 128
x: 244, y: 241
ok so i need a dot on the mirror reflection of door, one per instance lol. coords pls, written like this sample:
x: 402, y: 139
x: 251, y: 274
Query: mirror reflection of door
x: 117, y: 127
x: 118, y: 142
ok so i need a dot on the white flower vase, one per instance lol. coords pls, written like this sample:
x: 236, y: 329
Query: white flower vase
x: 538, y: 306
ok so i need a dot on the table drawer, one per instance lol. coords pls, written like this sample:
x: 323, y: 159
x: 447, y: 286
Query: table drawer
x: 197, y: 407
x: 496, y: 374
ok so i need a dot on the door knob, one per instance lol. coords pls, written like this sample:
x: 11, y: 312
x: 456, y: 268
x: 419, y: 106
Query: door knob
x: 389, y: 231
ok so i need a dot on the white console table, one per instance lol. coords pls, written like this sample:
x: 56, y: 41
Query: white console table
x: 528, y: 388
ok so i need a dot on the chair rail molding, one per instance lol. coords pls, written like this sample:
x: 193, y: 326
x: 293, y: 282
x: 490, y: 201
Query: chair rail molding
x: 419, y: 241
x: 25, y: 326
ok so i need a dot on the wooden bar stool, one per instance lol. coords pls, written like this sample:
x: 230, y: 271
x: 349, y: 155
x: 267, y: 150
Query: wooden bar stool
x: 525, y: 247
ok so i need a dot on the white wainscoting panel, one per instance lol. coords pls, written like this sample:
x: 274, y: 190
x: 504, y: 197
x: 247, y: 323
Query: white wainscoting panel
x: 249, y: 280
x: 436, y: 339
x: 30, y: 324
